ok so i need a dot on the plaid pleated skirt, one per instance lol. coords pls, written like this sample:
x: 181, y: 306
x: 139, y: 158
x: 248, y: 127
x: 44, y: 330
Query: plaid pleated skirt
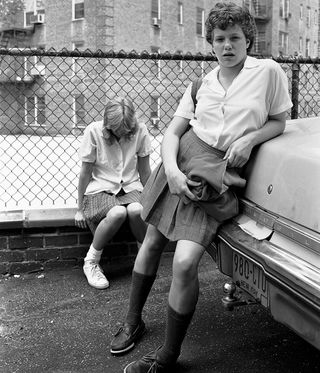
x: 173, y: 217
x: 96, y: 206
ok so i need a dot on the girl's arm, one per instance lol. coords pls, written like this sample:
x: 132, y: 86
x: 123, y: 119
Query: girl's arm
x: 144, y: 169
x: 177, y: 181
x: 84, y: 179
x: 239, y: 151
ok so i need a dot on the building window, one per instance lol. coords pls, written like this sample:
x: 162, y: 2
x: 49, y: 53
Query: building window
x: 156, y: 64
x: 301, y: 11
x: 79, y: 111
x: 307, y: 47
x: 308, y: 17
x: 260, y: 44
x: 300, y: 45
x: 283, y: 43
x: 155, y: 107
x: 179, y: 62
x: 155, y: 9
x: 155, y: 111
x: 29, y: 63
x: 180, y: 13
x: 200, y: 22
x: 77, y: 62
x: 77, y: 9
x: 315, y: 49
x: 35, y: 111
x: 284, y: 9
x: 315, y: 17
x: 27, y: 17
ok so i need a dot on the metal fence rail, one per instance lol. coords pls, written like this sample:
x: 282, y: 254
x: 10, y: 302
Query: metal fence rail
x: 47, y: 98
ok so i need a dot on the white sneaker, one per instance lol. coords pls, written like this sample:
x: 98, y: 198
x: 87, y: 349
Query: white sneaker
x: 95, y: 275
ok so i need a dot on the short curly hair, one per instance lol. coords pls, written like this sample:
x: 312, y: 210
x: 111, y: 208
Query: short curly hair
x: 225, y: 14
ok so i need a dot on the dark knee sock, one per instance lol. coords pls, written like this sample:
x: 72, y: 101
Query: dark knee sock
x: 176, y: 329
x: 140, y: 288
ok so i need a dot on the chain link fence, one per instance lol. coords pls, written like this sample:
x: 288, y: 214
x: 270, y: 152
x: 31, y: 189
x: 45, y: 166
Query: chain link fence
x: 47, y: 98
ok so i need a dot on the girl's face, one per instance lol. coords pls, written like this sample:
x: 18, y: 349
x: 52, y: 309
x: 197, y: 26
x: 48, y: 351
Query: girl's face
x: 230, y: 46
x: 119, y: 132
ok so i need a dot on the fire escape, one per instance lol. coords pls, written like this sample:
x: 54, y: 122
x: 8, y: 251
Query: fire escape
x: 259, y: 9
x: 13, y: 69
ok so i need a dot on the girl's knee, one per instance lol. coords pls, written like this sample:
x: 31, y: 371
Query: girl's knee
x: 153, y: 244
x: 117, y: 213
x: 185, y: 268
x: 134, y: 210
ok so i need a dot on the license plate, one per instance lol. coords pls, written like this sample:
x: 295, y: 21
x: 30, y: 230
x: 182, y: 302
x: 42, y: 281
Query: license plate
x: 250, y: 278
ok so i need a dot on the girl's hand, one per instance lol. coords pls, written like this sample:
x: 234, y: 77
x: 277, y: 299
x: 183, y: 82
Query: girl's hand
x: 238, y: 152
x: 80, y: 220
x: 178, y: 184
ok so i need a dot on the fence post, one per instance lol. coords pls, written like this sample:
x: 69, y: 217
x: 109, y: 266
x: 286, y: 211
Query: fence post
x: 295, y: 90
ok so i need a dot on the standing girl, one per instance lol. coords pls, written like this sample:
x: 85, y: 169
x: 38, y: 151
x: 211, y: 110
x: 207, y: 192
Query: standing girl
x: 240, y: 104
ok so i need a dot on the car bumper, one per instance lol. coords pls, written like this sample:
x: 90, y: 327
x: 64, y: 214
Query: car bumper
x: 293, y: 285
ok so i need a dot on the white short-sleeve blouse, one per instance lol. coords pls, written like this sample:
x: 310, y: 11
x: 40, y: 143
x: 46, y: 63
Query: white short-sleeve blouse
x: 221, y: 117
x: 115, y: 166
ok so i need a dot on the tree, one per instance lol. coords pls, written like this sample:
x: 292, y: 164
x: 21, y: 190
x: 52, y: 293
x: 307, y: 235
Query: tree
x: 9, y: 9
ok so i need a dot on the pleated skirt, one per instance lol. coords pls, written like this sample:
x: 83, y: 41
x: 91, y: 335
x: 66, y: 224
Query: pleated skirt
x: 96, y: 206
x: 174, y: 218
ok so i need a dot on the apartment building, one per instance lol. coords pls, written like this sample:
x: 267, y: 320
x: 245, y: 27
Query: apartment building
x: 42, y: 98
x: 284, y: 26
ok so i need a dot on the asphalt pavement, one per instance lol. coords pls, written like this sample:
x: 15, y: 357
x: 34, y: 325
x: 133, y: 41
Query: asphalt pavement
x: 55, y: 322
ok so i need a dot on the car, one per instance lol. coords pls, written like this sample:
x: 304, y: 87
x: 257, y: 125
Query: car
x: 271, y: 250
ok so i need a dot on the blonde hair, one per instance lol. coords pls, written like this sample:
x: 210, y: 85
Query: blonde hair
x: 119, y: 113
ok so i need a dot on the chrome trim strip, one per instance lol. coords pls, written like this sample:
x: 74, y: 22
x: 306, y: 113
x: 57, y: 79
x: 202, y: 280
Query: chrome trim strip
x: 257, y: 214
x: 304, y: 237
x: 269, y: 275
x: 295, y: 234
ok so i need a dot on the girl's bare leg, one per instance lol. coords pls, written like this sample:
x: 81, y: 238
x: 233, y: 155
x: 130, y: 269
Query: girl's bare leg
x: 103, y: 234
x: 137, y: 225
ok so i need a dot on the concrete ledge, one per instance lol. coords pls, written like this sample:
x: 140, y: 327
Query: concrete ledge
x: 38, y: 217
x: 39, y: 239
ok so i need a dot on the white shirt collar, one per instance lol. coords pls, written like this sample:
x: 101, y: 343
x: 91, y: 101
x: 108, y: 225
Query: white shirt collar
x: 249, y: 63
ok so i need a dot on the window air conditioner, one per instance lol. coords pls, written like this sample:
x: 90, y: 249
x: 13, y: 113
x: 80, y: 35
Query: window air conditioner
x: 155, y: 121
x: 37, y: 18
x: 156, y: 22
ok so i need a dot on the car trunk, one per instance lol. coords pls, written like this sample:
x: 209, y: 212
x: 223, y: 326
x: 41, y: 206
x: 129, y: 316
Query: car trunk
x: 285, y: 174
x: 277, y: 232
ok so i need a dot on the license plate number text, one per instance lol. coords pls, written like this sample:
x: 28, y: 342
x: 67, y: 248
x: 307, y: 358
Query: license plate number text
x: 250, y: 278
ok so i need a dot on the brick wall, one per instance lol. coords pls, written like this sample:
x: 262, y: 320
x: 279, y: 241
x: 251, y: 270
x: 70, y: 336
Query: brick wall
x: 43, y: 248
x: 33, y: 240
